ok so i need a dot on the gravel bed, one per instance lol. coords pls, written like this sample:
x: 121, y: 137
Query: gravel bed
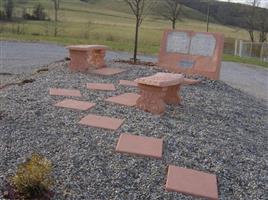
x: 218, y: 130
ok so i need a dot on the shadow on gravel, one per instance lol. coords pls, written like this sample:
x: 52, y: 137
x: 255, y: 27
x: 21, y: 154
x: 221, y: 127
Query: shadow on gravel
x: 6, y: 74
x: 23, y: 82
x: 26, y: 81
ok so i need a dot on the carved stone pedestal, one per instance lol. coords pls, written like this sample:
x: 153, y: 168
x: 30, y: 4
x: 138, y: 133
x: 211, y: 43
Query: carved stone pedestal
x: 171, y: 96
x: 151, y: 99
x: 158, y: 90
x: 86, y: 57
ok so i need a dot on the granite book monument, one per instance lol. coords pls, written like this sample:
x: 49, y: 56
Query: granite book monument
x: 192, y: 52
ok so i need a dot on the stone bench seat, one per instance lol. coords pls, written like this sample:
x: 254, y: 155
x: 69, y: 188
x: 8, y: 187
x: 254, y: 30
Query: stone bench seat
x: 158, y: 90
x: 86, y: 57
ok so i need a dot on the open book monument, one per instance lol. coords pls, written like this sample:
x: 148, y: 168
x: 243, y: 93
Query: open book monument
x: 192, y: 52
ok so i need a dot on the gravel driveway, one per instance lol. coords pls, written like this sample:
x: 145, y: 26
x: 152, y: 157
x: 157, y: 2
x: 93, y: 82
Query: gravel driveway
x: 20, y: 57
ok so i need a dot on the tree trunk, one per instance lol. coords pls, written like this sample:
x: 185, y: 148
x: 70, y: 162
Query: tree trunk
x: 208, y: 17
x: 173, y: 24
x: 56, y: 18
x: 251, y: 34
x: 263, y: 37
x: 136, y: 40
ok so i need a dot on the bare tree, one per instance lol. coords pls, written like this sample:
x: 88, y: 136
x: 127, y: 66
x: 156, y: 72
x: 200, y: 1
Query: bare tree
x: 208, y: 16
x: 262, y: 24
x: 139, y: 9
x: 170, y: 10
x: 8, y: 8
x: 251, y: 18
x: 56, y: 9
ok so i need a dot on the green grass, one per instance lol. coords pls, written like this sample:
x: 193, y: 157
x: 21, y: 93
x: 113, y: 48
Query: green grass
x: 249, y: 61
x: 107, y: 22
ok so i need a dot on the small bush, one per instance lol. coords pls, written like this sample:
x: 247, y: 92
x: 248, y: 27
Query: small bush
x: 33, y: 178
x: 110, y: 37
x: 2, y: 15
x: 38, y: 13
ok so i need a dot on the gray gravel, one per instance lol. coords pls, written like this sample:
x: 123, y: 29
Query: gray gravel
x: 218, y: 129
x: 20, y: 58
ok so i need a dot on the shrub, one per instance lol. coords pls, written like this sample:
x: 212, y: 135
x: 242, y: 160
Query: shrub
x: 39, y: 12
x: 33, y: 178
x: 2, y: 15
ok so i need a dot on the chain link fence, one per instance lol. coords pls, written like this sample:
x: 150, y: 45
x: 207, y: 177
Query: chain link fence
x: 251, y: 49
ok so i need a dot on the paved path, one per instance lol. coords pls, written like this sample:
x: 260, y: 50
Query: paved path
x: 250, y: 79
x: 19, y: 57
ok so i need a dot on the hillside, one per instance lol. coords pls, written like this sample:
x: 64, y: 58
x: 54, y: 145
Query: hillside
x: 234, y: 14
x: 107, y: 22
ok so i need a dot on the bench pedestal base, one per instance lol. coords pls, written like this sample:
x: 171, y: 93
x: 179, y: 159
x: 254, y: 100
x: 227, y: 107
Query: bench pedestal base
x: 86, y: 60
x: 172, y: 96
x: 86, y: 57
x: 153, y: 99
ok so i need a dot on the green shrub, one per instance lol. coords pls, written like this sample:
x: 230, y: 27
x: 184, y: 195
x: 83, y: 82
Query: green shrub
x: 33, y: 178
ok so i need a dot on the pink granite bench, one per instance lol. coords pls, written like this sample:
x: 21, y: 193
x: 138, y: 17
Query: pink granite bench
x: 86, y: 57
x: 158, y: 90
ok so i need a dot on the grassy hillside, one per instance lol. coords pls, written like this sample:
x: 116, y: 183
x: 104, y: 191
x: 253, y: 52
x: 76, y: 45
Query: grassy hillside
x: 107, y: 22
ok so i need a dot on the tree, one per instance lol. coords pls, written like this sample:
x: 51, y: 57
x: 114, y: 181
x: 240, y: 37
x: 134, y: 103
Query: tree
x: 262, y: 25
x: 263, y: 22
x: 170, y: 10
x: 56, y: 9
x: 8, y: 8
x: 139, y: 8
x: 208, y: 16
x: 39, y: 12
x: 251, y: 18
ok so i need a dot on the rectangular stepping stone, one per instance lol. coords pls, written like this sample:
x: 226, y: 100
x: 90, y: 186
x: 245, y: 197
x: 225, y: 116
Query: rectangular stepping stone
x: 140, y: 145
x: 102, y: 122
x: 100, y: 86
x: 192, y: 182
x: 107, y: 71
x: 64, y: 92
x: 127, y: 99
x: 74, y: 104
x: 128, y: 83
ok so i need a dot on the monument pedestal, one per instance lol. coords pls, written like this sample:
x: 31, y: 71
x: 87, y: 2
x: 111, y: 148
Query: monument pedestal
x: 158, y: 90
x: 86, y: 57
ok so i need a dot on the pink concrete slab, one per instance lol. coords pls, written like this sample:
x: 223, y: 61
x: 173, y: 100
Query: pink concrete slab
x: 128, y: 83
x: 192, y: 182
x: 64, y: 92
x: 74, y: 104
x: 127, y: 99
x: 102, y: 122
x: 107, y: 71
x: 100, y: 86
x: 140, y: 145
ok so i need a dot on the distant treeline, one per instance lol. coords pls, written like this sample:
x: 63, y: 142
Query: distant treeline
x: 233, y: 14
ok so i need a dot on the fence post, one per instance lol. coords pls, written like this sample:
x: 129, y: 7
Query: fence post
x: 261, y: 54
x: 240, y: 47
x: 251, y: 46
x: 235, y: 50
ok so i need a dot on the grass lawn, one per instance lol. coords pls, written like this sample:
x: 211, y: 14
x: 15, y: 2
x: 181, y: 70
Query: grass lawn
x: 250, y: 61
